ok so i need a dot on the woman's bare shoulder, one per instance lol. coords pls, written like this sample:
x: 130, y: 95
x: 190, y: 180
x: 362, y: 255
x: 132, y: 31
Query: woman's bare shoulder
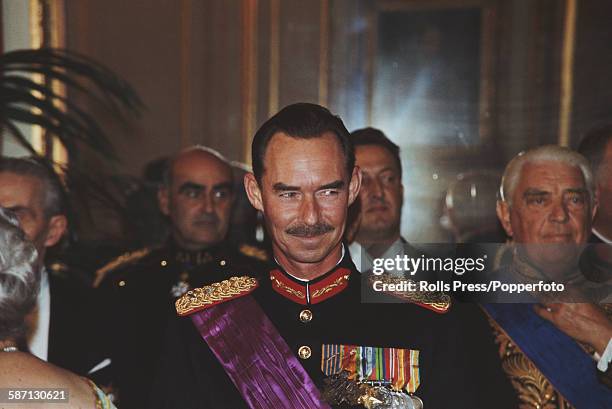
x: 25, y: 371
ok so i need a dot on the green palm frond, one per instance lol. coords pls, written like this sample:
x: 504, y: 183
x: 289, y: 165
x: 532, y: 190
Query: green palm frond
x: 23, y: 100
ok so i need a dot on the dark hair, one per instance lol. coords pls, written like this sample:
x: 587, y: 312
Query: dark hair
x: 54, y: 200
x: 593, y: 146
x: 373, y: 136
x: 301, y: 121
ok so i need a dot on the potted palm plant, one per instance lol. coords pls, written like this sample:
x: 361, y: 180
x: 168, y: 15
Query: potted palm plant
x: 25, y: 100
x: 30, y: 84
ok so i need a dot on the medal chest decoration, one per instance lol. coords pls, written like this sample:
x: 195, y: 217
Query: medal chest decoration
x: 377, y: 378
x: 188, y: 261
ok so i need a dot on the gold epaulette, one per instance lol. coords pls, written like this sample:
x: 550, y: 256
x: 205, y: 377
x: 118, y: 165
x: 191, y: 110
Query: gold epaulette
x: 435, y: 301
x: 213, y: 294
x: 255, y: 252
x: 118, y: 262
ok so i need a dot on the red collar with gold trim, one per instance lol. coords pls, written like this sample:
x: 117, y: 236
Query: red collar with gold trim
x: 310, y: 292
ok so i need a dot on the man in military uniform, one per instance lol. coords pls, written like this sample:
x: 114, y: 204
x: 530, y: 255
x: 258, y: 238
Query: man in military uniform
x: 547, y: 204
x: 197, y: 197
x: 301, y: 338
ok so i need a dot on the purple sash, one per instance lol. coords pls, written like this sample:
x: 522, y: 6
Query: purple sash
x: 256, y: 357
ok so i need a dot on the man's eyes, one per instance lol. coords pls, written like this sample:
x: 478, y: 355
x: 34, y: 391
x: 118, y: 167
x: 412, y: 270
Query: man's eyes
x: 327, y: 193
x: 288, y: 195
x: 388, y: 179
x: 197, y: 193
x: 221, y: 194
x: 576, y: 198
x: 192, y: 193
x: 537, y: 200
x: 21, y: 213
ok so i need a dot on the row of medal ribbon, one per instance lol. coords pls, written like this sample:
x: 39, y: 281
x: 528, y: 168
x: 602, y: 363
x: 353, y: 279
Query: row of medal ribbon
x: 394, y: 366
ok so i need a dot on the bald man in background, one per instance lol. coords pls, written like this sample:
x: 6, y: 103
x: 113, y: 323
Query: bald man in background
x: 140, y: 287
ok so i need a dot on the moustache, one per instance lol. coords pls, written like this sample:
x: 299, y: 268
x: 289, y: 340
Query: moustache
x: 304, y: 230
x: 207, y: 218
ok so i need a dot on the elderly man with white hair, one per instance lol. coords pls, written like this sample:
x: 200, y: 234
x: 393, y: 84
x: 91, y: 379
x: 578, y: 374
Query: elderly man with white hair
x: 547, y: 204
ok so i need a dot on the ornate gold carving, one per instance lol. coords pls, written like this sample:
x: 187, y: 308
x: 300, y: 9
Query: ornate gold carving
x: 321, y: 291
x: 215, y: 293
x: 533, y: 389
x: 439, y: 301
x: 286, y: 288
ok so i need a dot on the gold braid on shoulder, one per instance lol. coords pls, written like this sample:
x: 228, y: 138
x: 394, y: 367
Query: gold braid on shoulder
x: 114, y: 264
x: 213, y: 294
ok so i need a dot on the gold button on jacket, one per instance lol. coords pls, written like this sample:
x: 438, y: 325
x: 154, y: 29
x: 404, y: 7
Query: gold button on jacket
x: 304, y: 352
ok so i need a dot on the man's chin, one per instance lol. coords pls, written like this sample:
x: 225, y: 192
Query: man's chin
x: 378, y: 221
x: 554, y: 258
x: 310, y: 251
x: 200, y: 242
x: 309, y: 256
x: 377, y: 230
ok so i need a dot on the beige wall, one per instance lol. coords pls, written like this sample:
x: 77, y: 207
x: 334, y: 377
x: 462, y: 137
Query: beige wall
x: 190, y: 62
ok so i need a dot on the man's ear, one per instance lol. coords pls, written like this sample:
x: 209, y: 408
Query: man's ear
x: 55, y: 231
x: 162, y: 199
x: 354, y: 185
x: 503, y: 214
x: 253, y: 191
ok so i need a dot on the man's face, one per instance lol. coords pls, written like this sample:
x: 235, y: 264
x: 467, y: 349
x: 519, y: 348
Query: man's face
x: 381, y: 194
x: 551, y: 210
x: 304, y: 194
x: 23, y: 195
x: 198, y: 200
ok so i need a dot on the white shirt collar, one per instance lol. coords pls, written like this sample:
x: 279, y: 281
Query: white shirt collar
x: 364, y: 261
x: 38, y: 337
